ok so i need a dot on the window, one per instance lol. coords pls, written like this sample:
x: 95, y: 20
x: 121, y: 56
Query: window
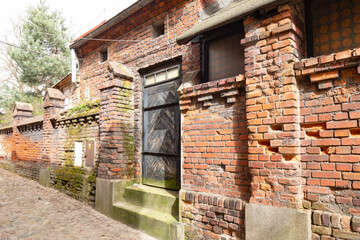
x: 162, y: 75
x: 223, y: 55
x: 104, y: 55
x: 335, y: 26
x: 157, y: 28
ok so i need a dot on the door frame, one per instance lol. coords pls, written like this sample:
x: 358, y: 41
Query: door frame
x: 154, y: 70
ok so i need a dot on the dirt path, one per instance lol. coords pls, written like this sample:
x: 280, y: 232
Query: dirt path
x: 31, y: 211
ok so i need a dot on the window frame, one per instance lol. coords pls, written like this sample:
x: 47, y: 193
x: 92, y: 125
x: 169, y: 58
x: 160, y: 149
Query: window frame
x: 214, y: 35
x: 164, y: 69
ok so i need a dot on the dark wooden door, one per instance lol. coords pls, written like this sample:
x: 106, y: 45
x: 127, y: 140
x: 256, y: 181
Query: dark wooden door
x: 89, y: 157
x: 161, y: 135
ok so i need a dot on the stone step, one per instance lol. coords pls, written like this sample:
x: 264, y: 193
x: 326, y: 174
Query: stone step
x: 157, y: 224
x: 161, y: 200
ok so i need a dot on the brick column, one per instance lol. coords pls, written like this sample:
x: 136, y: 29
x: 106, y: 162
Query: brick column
x: 53, y: 104
x: 21, y: 111
x: 272, y: 46
x: 116, y: 121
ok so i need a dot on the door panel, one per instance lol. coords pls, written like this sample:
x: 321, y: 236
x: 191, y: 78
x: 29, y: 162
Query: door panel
x: 161, y: 171
x: 161, y: 130
x: 89, y: 159
x: 162, y: 94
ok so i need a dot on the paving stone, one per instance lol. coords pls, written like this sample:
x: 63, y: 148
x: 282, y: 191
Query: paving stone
x: 31, y: 211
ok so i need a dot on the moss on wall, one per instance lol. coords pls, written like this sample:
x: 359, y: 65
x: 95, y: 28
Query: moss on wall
x: 76, y: 182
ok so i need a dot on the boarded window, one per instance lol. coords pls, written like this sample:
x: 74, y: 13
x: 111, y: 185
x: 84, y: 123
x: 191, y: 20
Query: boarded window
x: 336, y: 25
x: 78, y: 154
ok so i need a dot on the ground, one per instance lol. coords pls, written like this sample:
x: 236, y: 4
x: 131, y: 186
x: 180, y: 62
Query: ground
x: 31, y: 211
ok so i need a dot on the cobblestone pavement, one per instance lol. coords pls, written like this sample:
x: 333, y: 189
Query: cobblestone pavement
x: 31, y: 211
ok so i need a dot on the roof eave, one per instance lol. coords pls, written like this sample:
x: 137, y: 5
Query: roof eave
x: 111, y: 22
x: 220, y: 19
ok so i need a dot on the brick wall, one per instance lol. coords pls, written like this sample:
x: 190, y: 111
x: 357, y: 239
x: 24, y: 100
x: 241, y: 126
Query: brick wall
x: 330, y: 113
x: 29, y: 142
x: 215, y: 172
x: 272, y: 46
x: 140, y: 55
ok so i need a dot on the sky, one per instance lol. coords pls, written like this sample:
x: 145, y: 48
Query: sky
x: 81, y: 15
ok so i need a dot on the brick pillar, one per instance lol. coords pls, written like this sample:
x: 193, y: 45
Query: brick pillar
x: 21, y: 111
x: 272, y: 46
x: 53, y: 104
x: 116, y: 122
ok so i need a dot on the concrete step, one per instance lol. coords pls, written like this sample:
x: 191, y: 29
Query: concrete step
x: 160, y: 200
x: 157, y: 224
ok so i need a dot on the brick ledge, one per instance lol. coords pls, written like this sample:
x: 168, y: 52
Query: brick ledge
x: 228, y: 88
x: 323, y: 69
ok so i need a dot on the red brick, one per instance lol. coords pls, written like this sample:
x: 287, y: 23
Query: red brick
x: 342, y: 184
x: 356, y: 185
x: 354, y: 115
x: 343, y: 55
x: 326, y: 142
x: 316, y: 77
x: 345, y: 158
x: 326, y: 109
x: 343, y: 167
x: 326, y: 174
x: 341, y: 124
x: 350, y: 141
x: 350, y: 106
x: 343, y: 200
x: 342, y: 133
x: 351, y: 176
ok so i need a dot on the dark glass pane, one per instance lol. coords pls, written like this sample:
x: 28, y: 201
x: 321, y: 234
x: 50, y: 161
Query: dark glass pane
x: 225, y: 57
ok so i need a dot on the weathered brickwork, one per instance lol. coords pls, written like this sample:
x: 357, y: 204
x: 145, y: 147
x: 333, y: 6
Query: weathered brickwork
x: 31, y: 150
x: 286, y: 133
x: 215, y: 166
x: 209, y: 216
x: 330, y: 145
x: 272, y: 46
x: 138, y: 52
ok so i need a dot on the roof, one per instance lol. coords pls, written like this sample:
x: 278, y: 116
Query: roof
x: 63, y: 82
x: 111, y: 22
x: 231, y: 13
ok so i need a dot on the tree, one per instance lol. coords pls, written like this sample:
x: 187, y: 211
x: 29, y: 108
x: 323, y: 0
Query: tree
x: 38, y: 59
x: 42, y: 55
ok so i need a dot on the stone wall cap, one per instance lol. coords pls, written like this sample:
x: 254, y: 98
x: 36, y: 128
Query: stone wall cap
x: 54, y: 94
x: 25, y: 107
x: 119, y: 70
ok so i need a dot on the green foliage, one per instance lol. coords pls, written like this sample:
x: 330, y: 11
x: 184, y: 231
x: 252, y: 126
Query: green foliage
x: 43, y: 55
x: 41, y: 58
x: 83, y: 108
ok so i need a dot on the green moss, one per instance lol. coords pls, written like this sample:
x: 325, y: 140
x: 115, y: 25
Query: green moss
x: 75, y: 181
x: 84, y: 109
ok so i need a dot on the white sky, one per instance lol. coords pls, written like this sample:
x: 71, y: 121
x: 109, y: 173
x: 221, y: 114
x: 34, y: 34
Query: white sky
x: 81, y: 15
